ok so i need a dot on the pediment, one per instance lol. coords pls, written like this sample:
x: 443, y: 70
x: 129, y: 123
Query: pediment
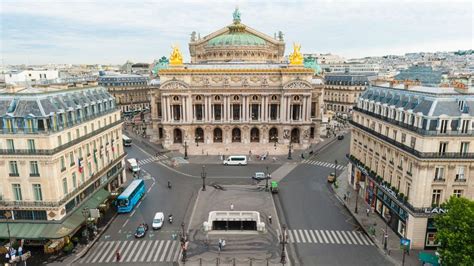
x: 174, y: 85
x: 297, y: 84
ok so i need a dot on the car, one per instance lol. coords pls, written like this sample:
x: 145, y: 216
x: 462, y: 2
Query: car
x: 274, y: 187
x: 331, y: 178
x: 340, y: 137
x: 259, y: 176
x: 141, y: 231
x: 157, y: 220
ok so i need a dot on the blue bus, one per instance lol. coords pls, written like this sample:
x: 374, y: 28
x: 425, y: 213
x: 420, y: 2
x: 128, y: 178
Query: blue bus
x: 130, y: 196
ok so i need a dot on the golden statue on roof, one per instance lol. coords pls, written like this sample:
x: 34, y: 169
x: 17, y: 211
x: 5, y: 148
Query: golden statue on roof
x: 296, y: 58
x: 176, y: 58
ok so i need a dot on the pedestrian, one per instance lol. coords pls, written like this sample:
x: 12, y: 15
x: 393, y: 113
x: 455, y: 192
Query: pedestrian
x: 231, y: 206
x: 7, y: 257
x: 345, y: 197
x: 302, y: 155
x: 368, y: 211
x: 270, y: 219
x: 20, y: 251
x: 223, y: 243
x: 220, y: 244
x: 117, y: 255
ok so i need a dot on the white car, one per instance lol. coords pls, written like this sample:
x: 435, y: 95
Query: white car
x: 158, y: 220
x: 259, y: 176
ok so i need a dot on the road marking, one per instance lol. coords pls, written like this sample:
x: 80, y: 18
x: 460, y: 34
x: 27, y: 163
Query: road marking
x: 164, y: 250
x: 106, y: 251
x: 148, y: 191
x: 291, y: 236
x: 147, y: 246
x: 133, y: 212
x: 158, y: 251
x: 357, y: 237
x: 137, y: 243
x: 127, y: 249
x: 113, y: 251
x: 335, y: 237
x: 319, y: 237
x: 365, y: 239
x: 312, y: 236
x: 324, y: 236
x: 297, y: 237
x: 171, y: 251
x: 340, y: 237
x: 346, y: 237
x: 302, y: 236
x: 124, y: 224
x: 329, y: 236
x: 139, y: 203
x: 97, y: 251
x: 352, y: 238
x: 151, y: 250
x: 307, y: 236
x: 176, y: 254
x: 141, y: 244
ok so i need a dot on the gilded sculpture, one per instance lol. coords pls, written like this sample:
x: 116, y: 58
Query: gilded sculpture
x: 296, y: 58
x: 176, y: 58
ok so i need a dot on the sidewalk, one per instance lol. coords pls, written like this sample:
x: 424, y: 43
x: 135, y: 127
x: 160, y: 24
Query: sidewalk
x: 393, y: 253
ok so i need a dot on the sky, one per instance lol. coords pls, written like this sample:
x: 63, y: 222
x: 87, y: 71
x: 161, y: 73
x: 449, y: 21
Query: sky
x: 114, y: 31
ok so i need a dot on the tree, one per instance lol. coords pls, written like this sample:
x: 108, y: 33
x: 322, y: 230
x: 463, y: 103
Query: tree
x: 456, y: 232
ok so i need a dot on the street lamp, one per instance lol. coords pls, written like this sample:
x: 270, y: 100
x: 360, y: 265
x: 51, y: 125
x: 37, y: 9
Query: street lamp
x: 289, y: 151
x: 86, y: 213
x: 266, y: 179
x: 203, y: 176
x: 357, y: 195
x: 283, y: 242
x: 387, y: 217
x: 185, y: 150
x: 335, y: 169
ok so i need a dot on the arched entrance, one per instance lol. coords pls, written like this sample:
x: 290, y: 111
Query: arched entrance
x: 254, y: 135
x: 273, y: 135
x: 199, y: 135
x: 217, y: 135
x: 177, y: 135
x: 236, y: 137
x: 295, y: 135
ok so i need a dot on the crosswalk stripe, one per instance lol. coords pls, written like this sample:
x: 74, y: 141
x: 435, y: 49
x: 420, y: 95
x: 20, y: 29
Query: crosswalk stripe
x: 324, y: 236
x: 164, y: 251
x: 155, y: 258
x: 312, y: 236
x: 176, y: 254
x: 319, y: 237
x: 335, y: 237
x: 340, y: 237
x: 291, y: 236
x: 329, y: 236
x: 307, y: 236
x: 297, y: 237
x: 129, y: 245
x: 357, y: 237
x: 142, y: 258
x: 302, y: 236
x: 171, y: 251
x: 136, y: 244
x: 97, y: 249
x: 113, y: 251
x: 106, y: 251
x: 352, y: 238
x: 346, y: 237
x: 364, y: 239
x: 139, y: 251
x: 151, y: 250
x: 100, y: 254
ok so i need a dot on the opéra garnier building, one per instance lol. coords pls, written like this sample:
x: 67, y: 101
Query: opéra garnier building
x: 238, y: 94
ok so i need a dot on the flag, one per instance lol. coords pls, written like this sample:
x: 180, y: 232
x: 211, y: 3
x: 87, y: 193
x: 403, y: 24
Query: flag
x: 79, y: 165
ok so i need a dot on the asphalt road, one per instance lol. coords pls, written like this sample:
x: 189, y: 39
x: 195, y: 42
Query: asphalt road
x: 321, y: 230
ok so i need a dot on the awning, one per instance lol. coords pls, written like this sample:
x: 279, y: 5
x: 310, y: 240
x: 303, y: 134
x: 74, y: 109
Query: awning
x: 53, y: 230
x: 428, y: 258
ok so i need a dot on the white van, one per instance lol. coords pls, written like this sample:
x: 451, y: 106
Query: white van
x: 236, y: 160
x: 158, y: 220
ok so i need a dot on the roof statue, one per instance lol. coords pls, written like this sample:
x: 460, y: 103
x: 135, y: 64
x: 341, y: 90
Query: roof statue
x: 176, y: 58
x: 161, y: 64
x: 280, y: 36
x: 310, y: 62
x: 296, y: 58
x: 236, y: 15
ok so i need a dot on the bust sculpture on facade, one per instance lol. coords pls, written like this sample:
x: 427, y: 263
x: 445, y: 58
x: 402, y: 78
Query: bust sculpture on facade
x: 296, y: 58
x: 176, y: 58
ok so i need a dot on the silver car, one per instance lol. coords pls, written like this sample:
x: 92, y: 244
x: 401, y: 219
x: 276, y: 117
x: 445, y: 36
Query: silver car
x: 259, y: 176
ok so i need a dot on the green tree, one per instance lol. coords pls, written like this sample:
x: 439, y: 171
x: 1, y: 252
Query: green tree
x: 456, y: 232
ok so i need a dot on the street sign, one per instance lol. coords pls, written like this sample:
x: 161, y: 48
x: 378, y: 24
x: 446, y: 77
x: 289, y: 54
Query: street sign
x: 404, y: 243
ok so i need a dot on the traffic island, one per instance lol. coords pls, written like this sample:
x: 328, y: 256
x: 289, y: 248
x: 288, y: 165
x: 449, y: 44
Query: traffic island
x: 235, y: 226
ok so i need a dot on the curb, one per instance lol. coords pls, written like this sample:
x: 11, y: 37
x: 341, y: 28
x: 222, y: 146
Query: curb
x: 89, y: 246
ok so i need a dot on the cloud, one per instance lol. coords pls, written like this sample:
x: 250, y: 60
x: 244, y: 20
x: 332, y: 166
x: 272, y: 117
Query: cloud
x: 54, y: 31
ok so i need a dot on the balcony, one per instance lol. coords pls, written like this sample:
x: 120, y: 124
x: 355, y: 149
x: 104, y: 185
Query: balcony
x: 439, y: 180
x: 34, y: 174
x: 14, y: 174
x: 423, y: 155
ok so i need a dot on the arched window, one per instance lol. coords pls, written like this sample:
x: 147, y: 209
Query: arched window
x: 254, y: 135
x: 198, y: 98
x: 217, y: 135
x: 236, y: 137
x: 236, y: 97
x: 274, y: 97
x: 255, y: 97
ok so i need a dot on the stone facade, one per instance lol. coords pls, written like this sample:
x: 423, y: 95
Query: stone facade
x: 130, y: 91
x: 342, y: 91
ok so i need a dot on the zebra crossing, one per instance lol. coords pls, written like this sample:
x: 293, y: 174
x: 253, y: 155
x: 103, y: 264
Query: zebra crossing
x: 151, y: 251
x: 152, y: 159
x: 323, y: 164
x: 303, y: 236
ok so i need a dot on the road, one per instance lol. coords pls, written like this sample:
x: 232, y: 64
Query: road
x: 321, y: 230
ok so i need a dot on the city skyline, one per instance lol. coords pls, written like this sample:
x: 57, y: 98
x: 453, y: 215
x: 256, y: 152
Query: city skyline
x: 97, y: 32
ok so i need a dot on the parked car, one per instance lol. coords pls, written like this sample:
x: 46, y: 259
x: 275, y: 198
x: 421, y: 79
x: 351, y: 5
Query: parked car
x: 259, y: 176
x: 274, y: 187
x: 141, y: 231
x: 340, y: 137
x: 331, y: 177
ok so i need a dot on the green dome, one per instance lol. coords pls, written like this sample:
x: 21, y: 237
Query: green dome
x: 236, y: 39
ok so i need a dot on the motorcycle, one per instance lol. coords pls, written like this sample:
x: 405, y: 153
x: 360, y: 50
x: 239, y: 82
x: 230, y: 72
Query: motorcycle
x: 170, y: 219
x: 169, y: 184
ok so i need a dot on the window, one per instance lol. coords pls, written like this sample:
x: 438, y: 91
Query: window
x: 439, y: 173
x: 217, y: 112
x: 65, y: 186
x: 254, y: 111
x: 404, y: 137
x: 71, y: 158
x: 37, y: 194
x: 78, y: 134
x: 464, y: 148
x: 273, y: 111
x: 313, y: 109
x: 74, y: 180
x: 236, y: 111
x: 407, y: 190
x: 464, y: 126
x: 458, y: 193
x: 88, y: 149
x: 13, y: 168
x: 395, y: 134
x: 386, y: 131
x: 412, y: 142
x: 69, y: 137
x: 460, y: 174
x: 410, y: 168
x: 436, y: 197
x: 295, y: 109
x: 198, y: 111
x: 34, y: 171
x: 10, y: 145
x: 89, y: 168
x: 60, y: 141
x: 63, y: 164
x: 31, y: 145
x: 443, y: 146
x: 176, y: 109
x: 16, y: 188
x: 431, y: 239
x: 444, y: 126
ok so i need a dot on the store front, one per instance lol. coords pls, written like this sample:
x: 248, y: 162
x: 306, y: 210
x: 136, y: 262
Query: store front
x: 394, y: 214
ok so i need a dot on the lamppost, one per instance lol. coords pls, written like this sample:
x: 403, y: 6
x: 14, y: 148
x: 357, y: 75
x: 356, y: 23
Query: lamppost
x: 335, y: 169
x: 283, y: 242
x: 185, y: 150
x: 86, y: 213
x: 289, y: 150
x: 203, y: 176
x: 266, y: 179
x: 357, y: 196
x: 8, y: 215
x: 387, y: 217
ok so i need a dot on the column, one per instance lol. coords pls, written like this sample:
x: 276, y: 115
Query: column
x: 168, y: 106
x: 303, y: 111
x: 183, y: 109
x: 190, y: 108
x: 283, y: 108
x: 262, y: 109
x: 224, y: 108
x: 243, y: 109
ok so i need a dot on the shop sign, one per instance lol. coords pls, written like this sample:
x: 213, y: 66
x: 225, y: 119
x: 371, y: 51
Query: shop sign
x: 389, y: 190
x: 436, y: 210
x: 404, y: 243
